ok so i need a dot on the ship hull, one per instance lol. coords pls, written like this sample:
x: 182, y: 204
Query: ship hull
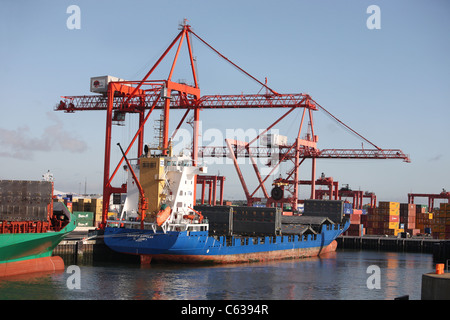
x: 199, y: 247
x: 32, y: 265
x: 22, y: 253
x: 241, y: 257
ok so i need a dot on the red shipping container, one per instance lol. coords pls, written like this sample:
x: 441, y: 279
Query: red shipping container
x: 355, y: 219
x: 364, y: 218
x: 394, y: 218
x: 407, y: 219
x: 410, y: 225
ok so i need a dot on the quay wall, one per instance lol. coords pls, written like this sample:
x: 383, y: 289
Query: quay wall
x: 423, y: 245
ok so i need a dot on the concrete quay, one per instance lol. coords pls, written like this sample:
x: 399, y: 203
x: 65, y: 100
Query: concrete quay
x: 414, y: 244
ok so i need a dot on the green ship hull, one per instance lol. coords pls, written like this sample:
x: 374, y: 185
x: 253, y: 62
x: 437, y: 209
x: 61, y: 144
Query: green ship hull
x: 24, y: 246
x: 30, y: 252
x: 32, y: 224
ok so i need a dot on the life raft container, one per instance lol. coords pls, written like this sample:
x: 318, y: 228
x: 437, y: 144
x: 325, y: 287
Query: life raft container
x: 163, y: 214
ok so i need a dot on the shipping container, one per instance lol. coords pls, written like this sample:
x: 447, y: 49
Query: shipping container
x: 84, y: 215
x: 393, y: 225
x: 348, y: 209
x: 333, y: 209
x: 393, y: 218
x: 357, y: 230
x: 229, y: 220
x: 420, y: 208
x: 220, y: 218
x: 256, y: 221
x: 100, y: 84
x: 86, y: 223
x: 22, y: 200
x: 273, y: 140
x: 389, y: 205
x: 355, y: 219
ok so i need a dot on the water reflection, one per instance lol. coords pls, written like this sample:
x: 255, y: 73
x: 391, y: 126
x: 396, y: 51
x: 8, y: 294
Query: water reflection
x: 339, y: 276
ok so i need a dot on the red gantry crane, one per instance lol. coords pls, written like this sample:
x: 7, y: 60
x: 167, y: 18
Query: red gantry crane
x: 431, y: 197
x: 145, y: 96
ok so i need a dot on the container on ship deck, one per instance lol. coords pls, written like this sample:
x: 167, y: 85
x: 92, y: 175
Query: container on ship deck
x: 332, y: 209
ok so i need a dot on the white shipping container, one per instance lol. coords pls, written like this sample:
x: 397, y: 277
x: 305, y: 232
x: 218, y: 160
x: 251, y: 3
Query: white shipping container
x: 273, y: 140
x: 100, y: 84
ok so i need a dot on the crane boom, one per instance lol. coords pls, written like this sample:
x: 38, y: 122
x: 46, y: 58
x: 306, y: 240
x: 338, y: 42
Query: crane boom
x: 283, y: 151
x: 179, y: 102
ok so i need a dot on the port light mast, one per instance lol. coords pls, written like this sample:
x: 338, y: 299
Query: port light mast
x: 145, y: 95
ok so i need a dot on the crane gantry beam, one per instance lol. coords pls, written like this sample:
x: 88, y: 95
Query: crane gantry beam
x: 280, y: 152
x: 178, y: 102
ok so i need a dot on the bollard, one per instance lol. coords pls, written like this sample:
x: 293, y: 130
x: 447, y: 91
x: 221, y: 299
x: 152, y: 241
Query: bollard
x: 439, y: 268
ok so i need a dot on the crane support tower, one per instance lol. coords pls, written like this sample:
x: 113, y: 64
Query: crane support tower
x: 118, y: 97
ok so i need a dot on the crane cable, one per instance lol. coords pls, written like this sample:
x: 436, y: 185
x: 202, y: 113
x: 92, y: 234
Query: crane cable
x: 346, y: 126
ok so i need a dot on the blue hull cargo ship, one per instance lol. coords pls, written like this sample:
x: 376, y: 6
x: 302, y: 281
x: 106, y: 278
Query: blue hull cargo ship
x: 159, y: 221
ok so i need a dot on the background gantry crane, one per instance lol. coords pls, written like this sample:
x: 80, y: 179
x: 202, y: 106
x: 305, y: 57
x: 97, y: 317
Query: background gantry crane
x: 431, y: 197
x: 145, y: 96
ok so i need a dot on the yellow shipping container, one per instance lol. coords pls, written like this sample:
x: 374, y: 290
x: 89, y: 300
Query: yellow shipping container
x: 430, y: 216
x: 394, y: 212
x: 393, y: 225
x: 389, y: 205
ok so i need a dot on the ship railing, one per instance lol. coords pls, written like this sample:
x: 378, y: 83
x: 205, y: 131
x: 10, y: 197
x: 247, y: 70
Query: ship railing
x: 131, y: 224
x: 154, y: 226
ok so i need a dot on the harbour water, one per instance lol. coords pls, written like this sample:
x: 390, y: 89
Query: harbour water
x: 342, y: 275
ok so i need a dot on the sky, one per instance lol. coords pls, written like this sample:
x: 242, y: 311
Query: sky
x: 391, y: 85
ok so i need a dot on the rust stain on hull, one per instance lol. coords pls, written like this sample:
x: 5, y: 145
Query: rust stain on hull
x: 243, y: 257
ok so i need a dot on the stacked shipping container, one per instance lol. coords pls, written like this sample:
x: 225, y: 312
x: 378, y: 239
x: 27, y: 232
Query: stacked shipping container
x: 385, y: 219
x: 242, y: 220
x: 358, y: 219
x: 408, y: 218
x: 440, y: 226
x: 88, y: 210
x: 390, y: 218
x: 84, y: 219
